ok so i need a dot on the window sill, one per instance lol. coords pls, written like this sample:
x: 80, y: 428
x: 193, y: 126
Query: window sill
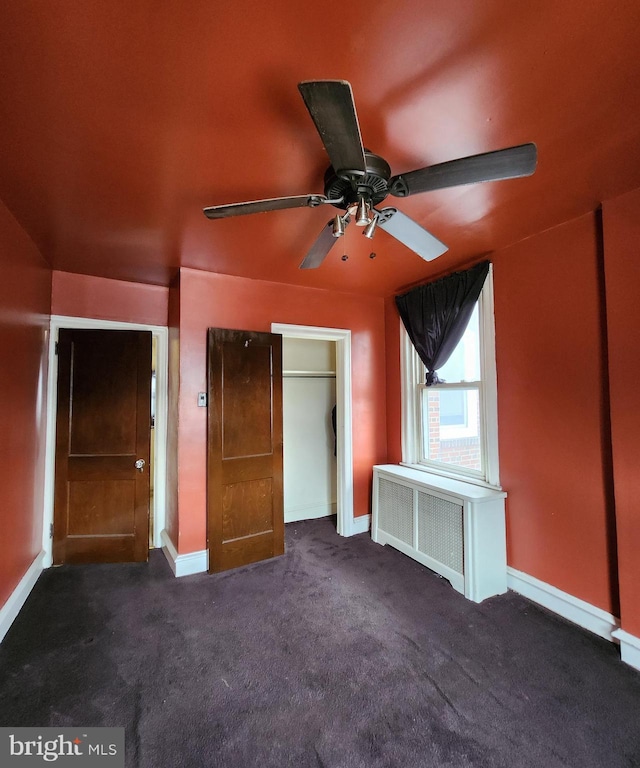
x: 433, y: 472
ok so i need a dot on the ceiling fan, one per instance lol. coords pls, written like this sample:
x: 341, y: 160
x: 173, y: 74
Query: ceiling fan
x: 357, y: 181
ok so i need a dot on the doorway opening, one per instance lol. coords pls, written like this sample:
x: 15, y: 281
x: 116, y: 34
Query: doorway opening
x: 343, y: 430
x: 157, y: 499
x: 152, y: 450
x: 309, y: 439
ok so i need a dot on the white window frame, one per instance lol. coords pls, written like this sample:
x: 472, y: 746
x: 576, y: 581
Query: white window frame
x: 412, y: 381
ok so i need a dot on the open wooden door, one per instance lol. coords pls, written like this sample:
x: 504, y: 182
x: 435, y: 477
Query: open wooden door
x: 103, y: 429
x: 245, y: 500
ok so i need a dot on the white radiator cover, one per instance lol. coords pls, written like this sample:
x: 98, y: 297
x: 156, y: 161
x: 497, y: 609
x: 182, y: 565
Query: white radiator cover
x: 455, y: 528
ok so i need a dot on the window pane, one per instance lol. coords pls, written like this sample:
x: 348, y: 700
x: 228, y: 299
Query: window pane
x: 464, y: 363
x: 453, y: 408
x: 451, y: 427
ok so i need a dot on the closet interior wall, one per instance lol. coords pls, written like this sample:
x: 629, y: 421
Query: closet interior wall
x: 309, y: 396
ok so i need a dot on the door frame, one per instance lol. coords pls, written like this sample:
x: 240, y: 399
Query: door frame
x: 344, y: 434
x: 161, y: 336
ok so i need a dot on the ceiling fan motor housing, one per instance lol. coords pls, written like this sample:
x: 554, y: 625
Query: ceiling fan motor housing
x: 350, y: 185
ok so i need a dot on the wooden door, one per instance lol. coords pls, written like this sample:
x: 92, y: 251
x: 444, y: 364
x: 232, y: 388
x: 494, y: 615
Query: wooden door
x: 103, y: 430
x: 244, y: 490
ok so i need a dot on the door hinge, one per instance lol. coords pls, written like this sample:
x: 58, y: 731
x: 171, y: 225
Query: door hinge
x: 50, y: 530
x: 56, y: 348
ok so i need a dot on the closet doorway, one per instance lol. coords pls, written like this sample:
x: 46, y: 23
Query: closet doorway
x: 309, y: 437
x: 318, y: 463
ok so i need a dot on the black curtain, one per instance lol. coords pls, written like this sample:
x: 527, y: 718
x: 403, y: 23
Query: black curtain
x: 436, y: 315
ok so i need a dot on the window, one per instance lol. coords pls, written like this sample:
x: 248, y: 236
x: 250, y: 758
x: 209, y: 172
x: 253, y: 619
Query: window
x: 451, y: 427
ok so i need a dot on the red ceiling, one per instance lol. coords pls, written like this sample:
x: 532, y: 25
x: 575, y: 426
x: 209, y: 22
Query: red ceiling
x: 121, y: 120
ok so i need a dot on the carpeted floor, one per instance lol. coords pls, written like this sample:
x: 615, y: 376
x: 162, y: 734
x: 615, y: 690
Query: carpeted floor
x: 340, y: 654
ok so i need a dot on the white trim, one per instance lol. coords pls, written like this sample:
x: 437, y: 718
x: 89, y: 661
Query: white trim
x: 450, y: 476
x: 342, y: 337
x: 360, y: 524
x: 309, y: 512
x: 183, y: 565
x: 18, y: 597
x: 569, y: 607
x: 161, y: 335
x: 629, y: 647
x: 489, y: 381
x: 410, y: 410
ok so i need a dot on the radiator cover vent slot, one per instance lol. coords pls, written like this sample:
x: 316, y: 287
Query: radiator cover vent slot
x: 396, y: 510
x: 440, y: 531
x: 452, y: 527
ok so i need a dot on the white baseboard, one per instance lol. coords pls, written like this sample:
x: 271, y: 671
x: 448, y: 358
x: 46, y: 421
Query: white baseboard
x: 17, y: 599
x: 358, y: 525
x: 569, y: 607
x: 629, y: 648
x: 312, y: 512
x: 184, y: 565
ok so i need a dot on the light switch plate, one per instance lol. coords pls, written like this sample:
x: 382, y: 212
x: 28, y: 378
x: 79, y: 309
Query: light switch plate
x: 202, y: 399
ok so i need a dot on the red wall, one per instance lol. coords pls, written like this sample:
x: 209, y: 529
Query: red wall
x: 622, y: 273
x: 552, y: 414
x: 210, y: 300
x: 104, y: 299
x: 25, y: 296
x: 551, y: 410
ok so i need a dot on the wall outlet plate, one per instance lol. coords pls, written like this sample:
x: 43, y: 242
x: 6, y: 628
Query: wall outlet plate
x: 202, y: 399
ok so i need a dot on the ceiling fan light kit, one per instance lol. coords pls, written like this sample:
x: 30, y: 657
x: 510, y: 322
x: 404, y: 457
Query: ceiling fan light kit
x: 338, y: 226
x: 363, y: 217
x: 370, y: 229
x: 358, y: 180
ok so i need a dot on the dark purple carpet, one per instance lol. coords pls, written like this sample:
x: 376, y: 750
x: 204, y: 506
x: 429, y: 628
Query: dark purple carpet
x: 339, y: 654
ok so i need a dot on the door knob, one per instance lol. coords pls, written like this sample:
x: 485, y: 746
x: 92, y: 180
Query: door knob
x: 139, y: 465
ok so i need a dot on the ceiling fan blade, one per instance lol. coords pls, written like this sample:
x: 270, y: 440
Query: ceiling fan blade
x: 260, y: 206
x: 320, y: 249
x: 332, y: 109
x: 511, y: 163
x: 411, y: 234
